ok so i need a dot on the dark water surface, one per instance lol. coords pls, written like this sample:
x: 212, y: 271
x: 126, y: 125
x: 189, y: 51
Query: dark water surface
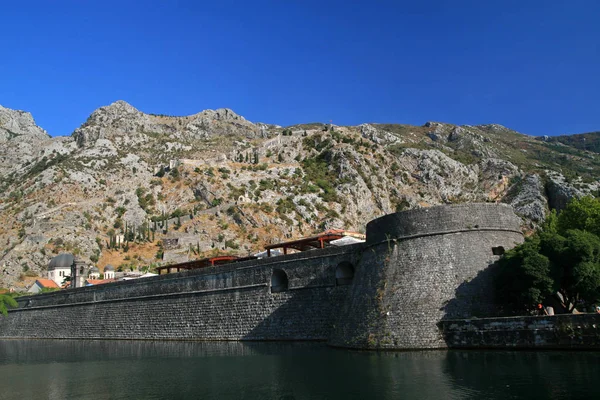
x: 40, y: 369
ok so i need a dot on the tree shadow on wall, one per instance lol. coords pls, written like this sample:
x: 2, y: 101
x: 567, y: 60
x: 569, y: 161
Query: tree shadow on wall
x: 474, y: 298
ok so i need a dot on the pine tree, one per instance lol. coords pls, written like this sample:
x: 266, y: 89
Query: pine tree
x: 6, y: 301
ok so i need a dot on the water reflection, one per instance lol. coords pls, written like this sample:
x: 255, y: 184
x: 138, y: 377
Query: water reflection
x: 233, y: 370
x: 518, y: 374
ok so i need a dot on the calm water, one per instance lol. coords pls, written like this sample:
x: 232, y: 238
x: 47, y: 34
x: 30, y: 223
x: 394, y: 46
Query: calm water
x: 176, y: 370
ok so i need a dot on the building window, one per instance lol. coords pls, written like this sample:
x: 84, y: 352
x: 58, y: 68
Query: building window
x: 279, y: 281
x: 344, y: 273
x: 498, y: 251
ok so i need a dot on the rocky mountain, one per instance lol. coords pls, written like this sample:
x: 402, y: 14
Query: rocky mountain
x: 214, y: 182
x: 20, y: 139
x: 583, y: 141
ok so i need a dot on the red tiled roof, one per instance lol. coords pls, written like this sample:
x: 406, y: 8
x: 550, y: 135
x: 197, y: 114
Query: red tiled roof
x: 47, y: 283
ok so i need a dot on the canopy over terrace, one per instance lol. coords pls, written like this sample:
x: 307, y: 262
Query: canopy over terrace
x: 319, y: 241
x: 202, y: 263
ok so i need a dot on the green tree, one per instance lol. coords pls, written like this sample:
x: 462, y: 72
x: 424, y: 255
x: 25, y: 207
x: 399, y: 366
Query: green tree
x: 583, y: 214
x: 6, y: 301
x: 562, y: 259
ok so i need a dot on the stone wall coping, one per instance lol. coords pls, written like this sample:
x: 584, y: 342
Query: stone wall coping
x: 516, y: 317
x: 217, y: 270
x: 440, y: 219
x: 439, y: 233
x: 146, y: 297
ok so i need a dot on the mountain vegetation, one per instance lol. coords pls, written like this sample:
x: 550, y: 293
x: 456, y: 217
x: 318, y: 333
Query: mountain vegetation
x: 582, y: 141
x: 134, y: 190
x: 561, y: 260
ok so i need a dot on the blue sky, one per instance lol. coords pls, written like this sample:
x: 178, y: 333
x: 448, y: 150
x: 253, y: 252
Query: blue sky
x: 530, y: 65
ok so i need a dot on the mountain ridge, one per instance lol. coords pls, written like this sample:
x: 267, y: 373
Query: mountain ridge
x: 230, y: 185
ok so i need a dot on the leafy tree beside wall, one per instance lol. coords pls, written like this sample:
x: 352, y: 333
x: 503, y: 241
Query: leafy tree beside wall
x: 6, y: 301
x: 561, y: 260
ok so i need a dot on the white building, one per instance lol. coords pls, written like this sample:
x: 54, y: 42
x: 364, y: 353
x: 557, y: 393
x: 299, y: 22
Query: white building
x: 94, y: 273
x: 109, y: 272
x: 60, y: 267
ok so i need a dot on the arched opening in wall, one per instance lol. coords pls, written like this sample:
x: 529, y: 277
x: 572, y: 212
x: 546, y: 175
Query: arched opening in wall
x: 279, y: 281
x: 498, y: 251
x: 344, y: 273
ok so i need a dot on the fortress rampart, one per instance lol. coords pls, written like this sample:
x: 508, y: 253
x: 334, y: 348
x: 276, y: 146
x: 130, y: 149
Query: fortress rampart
x: 417, y: 268
x: 420, y: 267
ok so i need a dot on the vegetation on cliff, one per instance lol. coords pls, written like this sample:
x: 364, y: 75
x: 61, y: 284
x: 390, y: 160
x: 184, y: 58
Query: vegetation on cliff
x: 561, y: 260
x: 215, y: 182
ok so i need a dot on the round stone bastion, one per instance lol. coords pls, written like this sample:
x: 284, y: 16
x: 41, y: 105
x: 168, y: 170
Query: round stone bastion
x: 423, y: 266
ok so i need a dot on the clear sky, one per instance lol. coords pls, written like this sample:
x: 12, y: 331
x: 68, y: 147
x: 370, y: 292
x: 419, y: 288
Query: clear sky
x: 533, y: 66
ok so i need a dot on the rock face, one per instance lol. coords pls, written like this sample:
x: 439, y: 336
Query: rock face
x: 560, y: 191
x: 20, y: 139
x: 377, y: 135
x: 122, y: 123
x: 214, y: 182
x: 15, y: 123
x: 528, y: 199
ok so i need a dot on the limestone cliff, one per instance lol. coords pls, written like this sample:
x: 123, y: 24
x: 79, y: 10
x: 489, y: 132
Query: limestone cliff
x: 220, y: 183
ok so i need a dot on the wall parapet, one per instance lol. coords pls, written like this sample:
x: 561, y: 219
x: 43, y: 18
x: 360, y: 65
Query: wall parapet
x: 165, y: 283
x: 443, y: 220
x: 146, y: 297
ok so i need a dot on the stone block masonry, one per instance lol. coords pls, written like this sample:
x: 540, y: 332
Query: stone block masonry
x: 566, y: 332
x: 420, y: 267
x: 416, y: 269
x: 219, y: 303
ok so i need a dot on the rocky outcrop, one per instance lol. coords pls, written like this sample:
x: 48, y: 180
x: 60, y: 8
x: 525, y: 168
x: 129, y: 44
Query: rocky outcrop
x: 377, y: 135
x: 21, y: 140
x: 236, y: 185
x: 19, y: 124
x: 123, y: 124
x: 559, y: 191
x: 527, y: 198
x: 456, y: 134
x: 445, y: 180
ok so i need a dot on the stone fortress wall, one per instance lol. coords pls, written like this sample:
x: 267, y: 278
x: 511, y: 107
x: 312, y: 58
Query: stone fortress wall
x: 416, y: 269
x: 422, y: 266
x: 230, y: 302
x: 565, y: 332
